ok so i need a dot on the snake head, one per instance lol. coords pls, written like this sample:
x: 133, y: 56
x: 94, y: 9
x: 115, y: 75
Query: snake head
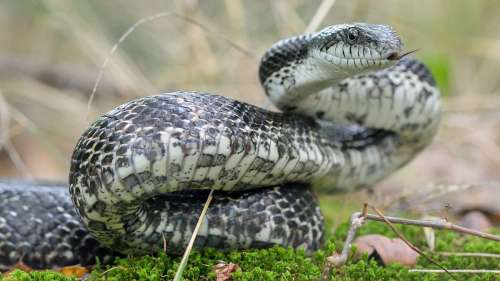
x: 356, y: 48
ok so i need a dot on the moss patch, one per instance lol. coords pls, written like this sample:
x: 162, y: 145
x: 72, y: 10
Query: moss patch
x: 285, y: 264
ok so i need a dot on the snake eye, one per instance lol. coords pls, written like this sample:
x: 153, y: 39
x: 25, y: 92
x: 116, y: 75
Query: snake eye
x: 352, y: 35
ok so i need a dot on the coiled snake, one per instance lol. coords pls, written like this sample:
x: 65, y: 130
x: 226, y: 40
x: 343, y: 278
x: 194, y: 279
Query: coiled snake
x: 354, y: 110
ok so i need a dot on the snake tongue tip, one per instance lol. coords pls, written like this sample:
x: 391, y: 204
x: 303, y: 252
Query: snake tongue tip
x: 407, y: 53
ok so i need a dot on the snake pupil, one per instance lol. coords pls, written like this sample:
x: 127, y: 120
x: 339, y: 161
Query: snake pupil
x: 352, y: 35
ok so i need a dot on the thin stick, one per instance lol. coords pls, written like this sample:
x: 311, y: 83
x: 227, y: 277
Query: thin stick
x: 320, y: 15
x: 17, y: 160
x: 4, y: 122
x: 182, y: 265
x: 456, y: 271
x: 29, y: 125
x: 165, y: 243
x: 413, y: 247
x: 435, y: 224
x: 110, y: 269
x: 337, y: 260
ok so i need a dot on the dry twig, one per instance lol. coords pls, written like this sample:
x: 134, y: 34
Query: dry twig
x: 320, y: 15
x: 17, y: 160
x: 446, y: 225
x: 456, y: 271
x: 4, y: 122
x: 336, y: 260
x: 460, y: 254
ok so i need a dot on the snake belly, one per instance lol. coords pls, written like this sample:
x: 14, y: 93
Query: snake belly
x: 353, y: 111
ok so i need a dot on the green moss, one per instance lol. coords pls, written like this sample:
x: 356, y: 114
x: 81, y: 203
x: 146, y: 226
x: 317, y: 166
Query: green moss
x: 36, y: 276
x: 285, y: 264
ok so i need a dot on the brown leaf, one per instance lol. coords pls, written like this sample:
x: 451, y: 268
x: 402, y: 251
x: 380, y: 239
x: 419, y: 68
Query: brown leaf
x: 386, y: 250
x: 430, y: 235
x: 476, y: 220
x: 482, y: 198
x: 19, y: 265
x: 223, y: 270
x: 74, y: 271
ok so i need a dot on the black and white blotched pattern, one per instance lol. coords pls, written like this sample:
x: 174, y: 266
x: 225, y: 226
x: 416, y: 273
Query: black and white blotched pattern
x: 353, y: 111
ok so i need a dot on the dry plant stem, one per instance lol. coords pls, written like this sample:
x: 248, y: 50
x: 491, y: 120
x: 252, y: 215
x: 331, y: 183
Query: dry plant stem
x: 165, y: 243
x: 320, y: 15
x: 413, y: 247
x: 459, y: 254
x: 435, y: 224
x: 111, y: 269
x: 337, y: 260
x: 364, y: 212
x: 182, y: 265
x: 29, y: 125
x: 17, y: 160
x: 4, y: 122
x: 455, y: 271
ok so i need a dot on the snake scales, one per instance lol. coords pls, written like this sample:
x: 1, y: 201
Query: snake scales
x: 354, y: 110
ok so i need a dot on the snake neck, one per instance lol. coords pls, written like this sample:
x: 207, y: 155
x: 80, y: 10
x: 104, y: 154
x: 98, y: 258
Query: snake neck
x: 289, y: 72
x: 402, y: 99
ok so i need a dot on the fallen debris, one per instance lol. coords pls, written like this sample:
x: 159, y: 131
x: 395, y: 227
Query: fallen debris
x: 476, y: 220
x: 358, y: 219
x: 224, y: 270
x: 385, y: 250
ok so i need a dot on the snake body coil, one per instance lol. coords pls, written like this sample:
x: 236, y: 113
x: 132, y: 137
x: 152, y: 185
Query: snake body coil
x: 354, y: 111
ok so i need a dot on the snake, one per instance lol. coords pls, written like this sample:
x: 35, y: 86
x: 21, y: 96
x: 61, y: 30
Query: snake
x: 352, y: 109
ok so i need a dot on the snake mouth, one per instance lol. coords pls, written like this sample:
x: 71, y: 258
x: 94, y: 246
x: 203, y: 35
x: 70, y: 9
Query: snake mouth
x: 397, y: 56
x: 393, y: 56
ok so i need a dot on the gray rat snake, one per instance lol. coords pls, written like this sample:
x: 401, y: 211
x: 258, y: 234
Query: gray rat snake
x: 354, y: 109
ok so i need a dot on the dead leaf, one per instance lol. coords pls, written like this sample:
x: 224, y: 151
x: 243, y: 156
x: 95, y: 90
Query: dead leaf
x: 74, y: 270
x: 481, y: 198
x: 476, y: 220
x: 430, y: 236
x: 386, y: 250
x: 19, y: 265
x: 223, y: 270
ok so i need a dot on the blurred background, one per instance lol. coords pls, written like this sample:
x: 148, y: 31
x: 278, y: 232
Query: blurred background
x: 51, y: 51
